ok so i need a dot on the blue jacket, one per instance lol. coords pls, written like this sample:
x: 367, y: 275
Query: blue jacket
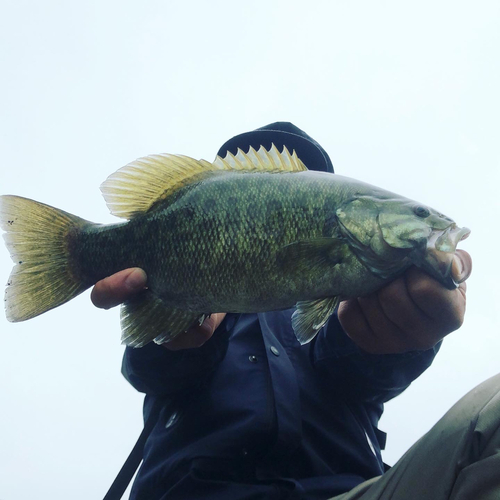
x: 253, y: 414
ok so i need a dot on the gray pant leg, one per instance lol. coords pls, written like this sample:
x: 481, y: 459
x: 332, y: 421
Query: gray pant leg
x: 458, y: 459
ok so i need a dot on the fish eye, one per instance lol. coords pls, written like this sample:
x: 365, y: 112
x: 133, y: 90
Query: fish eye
x: 421, y: 211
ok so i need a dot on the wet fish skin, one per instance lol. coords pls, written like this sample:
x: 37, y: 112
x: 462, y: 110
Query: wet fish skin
x: 221, y: 244
x: 244, y: 234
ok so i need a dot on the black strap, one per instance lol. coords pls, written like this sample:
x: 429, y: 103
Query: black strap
x: 133, y: 461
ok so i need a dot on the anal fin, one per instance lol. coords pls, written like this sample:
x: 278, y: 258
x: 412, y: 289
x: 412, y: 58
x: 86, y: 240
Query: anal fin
x: 310, y: 316
x: 146, y: 318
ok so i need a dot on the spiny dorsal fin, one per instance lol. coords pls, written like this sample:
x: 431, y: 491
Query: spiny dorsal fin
x: 264, y: 160
x: 136, y: 187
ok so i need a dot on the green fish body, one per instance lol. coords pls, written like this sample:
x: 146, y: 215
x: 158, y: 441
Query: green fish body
x: 248, y: 233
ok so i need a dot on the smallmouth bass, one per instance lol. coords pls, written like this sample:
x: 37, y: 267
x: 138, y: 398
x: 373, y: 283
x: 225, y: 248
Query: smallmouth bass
x: 250, y: 232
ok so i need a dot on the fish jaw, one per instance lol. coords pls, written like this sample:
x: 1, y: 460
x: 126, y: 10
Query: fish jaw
x: 443, y: 261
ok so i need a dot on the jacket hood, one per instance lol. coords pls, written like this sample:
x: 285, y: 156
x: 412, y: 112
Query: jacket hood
x: 282, y: 134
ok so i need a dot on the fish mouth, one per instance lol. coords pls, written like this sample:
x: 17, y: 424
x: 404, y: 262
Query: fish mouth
x: 442, y: 259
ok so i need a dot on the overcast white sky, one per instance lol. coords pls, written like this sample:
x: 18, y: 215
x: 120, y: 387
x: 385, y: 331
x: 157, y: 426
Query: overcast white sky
x: 404, y: 95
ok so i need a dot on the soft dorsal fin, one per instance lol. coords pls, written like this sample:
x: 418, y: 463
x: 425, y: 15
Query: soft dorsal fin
x: 136, y: 187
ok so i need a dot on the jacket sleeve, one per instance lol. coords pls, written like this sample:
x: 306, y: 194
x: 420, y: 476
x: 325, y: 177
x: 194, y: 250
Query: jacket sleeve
x: 373, y: 378
x: 157, y: 371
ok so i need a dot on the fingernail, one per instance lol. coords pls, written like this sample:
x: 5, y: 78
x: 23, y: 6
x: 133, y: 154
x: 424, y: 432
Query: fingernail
x: 136, y: 280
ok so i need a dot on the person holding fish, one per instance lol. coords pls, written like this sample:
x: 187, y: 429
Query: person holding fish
x: 251, y: 413
x: 270, y: 309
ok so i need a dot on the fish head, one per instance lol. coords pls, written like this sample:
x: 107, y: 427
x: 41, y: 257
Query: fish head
x: 396, y: 232
x: 441, y: 258
x: 432, y: 237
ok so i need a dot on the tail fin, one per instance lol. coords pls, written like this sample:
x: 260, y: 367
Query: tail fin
x: 37, y: 237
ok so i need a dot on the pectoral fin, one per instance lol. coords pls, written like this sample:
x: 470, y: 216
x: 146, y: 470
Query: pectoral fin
x: 146, y: 318
x: 310, y: 316
x: 318, y: 254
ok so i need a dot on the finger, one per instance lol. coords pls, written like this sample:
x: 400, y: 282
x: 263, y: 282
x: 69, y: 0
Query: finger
x: 383, y: 331
x: 415, y: 329
x: 355, y: 325
x: 388, y: 321
x: 386, y: 336
x: 461, y: 267
x: 445, y: 308
x: 196, y: 336
x: 118, y: 287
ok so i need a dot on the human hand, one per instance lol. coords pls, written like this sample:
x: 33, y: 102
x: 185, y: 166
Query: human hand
x: 414, y: 312
x: 197, y: 335
x: 117, y: 288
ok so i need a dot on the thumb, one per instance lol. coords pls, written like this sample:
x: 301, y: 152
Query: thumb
x: 118, y: 287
